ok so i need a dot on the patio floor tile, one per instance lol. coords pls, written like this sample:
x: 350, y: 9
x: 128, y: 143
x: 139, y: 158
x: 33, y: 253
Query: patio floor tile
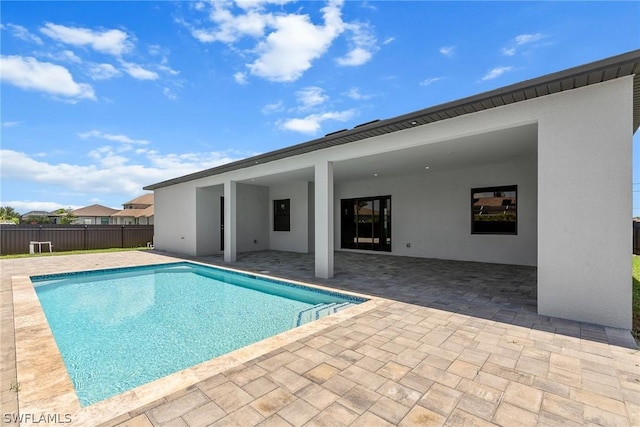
x: 447, y: 343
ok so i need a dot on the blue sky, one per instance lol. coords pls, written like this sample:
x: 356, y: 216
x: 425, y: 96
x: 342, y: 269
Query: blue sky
x: 102, y: 98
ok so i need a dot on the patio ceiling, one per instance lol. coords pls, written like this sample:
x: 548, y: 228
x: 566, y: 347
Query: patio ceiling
x: 492, y: 147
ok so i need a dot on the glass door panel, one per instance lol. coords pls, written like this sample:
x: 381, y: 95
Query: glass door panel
x: 366, y: 223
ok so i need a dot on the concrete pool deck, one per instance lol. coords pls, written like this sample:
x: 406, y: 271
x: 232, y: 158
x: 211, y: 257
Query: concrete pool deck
x: 443, y: 343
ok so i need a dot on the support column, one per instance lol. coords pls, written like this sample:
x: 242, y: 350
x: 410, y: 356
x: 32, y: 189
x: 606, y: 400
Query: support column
x: 230, y: 222
x: 324, y: 219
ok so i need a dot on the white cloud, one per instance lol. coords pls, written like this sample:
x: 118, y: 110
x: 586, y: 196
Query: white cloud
x: 139, y: 73
x: 111, y: 173
x: 310, y: 96
x: 168, y: 70
x: 430, y: 80
x: 112, y: 137
x: 31, y: 74
x: 20, y: 32
x: 103, y: 71
x: 288, y: 51
x: 388, y: 40
x: 230, y: 28
x: 275, y: 107
x: 169, y: 93
x: 155, y: 50
x: 355, y: 57
x: 354, y: 93
x: 63, y: 56
x: 363, y: 44
x: 311, y: 123
x: 287, y: 43
x: 10, y: 124
x: 521, y: 40
x: 496, y: 72
x: 528, y: 38
x: 447, y: 51
x: 240, y: 78
x: 112, y: 42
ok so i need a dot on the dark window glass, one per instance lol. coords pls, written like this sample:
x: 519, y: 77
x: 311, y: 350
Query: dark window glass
x: 366, y: 223
x: 281, y: 215
x: 494, y: 210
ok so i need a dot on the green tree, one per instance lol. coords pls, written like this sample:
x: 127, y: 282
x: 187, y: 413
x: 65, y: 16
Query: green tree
x: 7, y: 213
x: 67, y: 216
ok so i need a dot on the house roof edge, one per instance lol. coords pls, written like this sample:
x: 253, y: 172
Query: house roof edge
x: 626, y: 64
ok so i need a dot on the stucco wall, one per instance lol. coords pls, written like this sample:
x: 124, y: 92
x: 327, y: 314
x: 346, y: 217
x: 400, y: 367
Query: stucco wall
x: 584, y: 233
x: 208, y: 220
x: 175, y: 216
x: 432, y: 213
x: 296, y: 240
x: 253, y: 218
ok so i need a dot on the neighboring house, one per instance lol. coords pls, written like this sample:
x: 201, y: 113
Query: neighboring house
x: 54, y: 218
x: 545, y: 147
x: 94, y: 215
x: 136, y: 211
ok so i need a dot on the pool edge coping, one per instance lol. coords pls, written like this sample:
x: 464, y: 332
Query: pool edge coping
x: 40, y: 368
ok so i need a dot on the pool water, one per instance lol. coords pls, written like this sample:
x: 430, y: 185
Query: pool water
x: 120, y: 328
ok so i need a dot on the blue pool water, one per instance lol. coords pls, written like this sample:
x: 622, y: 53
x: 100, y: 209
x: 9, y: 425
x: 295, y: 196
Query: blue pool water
x: 120, y: 328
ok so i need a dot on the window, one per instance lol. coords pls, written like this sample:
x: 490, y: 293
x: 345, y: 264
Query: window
x: 366, y: 223
x: 281, y: 215
x: 494, y: 210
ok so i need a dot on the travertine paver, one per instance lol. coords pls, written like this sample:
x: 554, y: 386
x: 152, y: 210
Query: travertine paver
x: 453, y: 344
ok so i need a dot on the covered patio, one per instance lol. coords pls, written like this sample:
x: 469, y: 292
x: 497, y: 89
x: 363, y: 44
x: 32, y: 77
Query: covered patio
x: 508, y: 176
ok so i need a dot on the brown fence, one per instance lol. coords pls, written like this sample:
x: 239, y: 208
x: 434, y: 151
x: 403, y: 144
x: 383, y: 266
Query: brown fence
x: 636, y: 238
x: 15, y: 239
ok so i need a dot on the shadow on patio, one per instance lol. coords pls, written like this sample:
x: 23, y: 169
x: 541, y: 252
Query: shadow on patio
x: 502, y: 293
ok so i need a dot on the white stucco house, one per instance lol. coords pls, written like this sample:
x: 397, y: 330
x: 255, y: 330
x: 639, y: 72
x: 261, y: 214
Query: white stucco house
x: 536, y: 173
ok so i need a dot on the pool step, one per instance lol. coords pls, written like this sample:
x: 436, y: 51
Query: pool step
x: 318, y: 311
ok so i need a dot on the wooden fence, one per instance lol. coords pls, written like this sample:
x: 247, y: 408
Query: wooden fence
x: 14, y: 239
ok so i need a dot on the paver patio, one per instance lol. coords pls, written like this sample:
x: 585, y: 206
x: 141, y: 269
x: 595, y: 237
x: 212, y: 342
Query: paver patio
x: 452, y: 343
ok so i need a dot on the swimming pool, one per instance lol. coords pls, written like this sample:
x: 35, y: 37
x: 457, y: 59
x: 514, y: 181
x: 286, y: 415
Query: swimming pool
x: 117, y: 329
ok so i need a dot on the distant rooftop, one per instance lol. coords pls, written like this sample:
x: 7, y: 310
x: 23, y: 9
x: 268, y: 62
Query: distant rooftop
x: 145, y: 199
x: 95, y: 210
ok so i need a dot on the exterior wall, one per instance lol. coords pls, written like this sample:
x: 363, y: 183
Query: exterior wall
x: 584, y: 178
x: 208, y: 220
x: 253, y: 218
x: 432, y: 213
x: 296, y: 240
x: 175, y: 213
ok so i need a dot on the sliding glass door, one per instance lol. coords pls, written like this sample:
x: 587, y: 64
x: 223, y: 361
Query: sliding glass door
x: 366, y: 223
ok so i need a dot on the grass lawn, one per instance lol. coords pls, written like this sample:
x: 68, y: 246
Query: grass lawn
x: 90, y: 251
x: 636, y: 298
